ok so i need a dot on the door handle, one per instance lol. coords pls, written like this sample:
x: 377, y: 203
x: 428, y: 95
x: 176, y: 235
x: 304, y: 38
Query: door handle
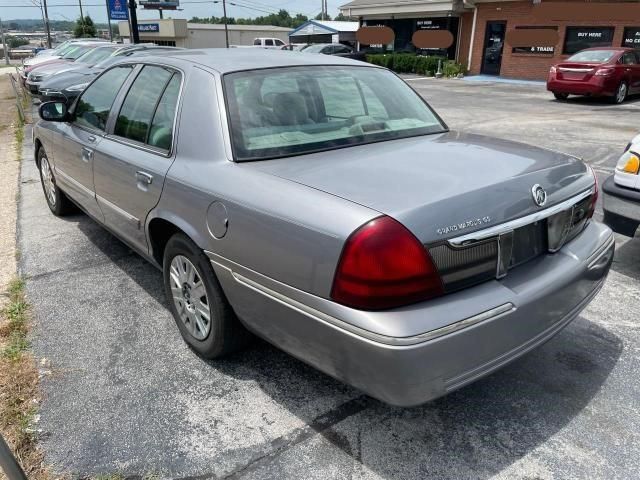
x: 87, y: 154
x: 144, y: 177
x: 91, y: 138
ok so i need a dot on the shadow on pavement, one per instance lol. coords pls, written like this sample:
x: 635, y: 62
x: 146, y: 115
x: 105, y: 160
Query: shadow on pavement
x: 475, y: 432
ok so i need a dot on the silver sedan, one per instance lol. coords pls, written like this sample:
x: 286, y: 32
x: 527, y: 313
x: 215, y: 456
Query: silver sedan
x: 321, y: 204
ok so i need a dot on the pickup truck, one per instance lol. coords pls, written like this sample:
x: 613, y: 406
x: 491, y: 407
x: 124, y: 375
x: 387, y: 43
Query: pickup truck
x: 263, y: 42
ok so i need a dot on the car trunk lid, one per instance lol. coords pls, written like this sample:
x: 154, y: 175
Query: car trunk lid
x: 439, y: 186
x: 576, y: 71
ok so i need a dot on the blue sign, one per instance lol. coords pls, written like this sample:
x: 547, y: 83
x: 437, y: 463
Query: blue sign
x: 118, y: 10
x: 148, y: 27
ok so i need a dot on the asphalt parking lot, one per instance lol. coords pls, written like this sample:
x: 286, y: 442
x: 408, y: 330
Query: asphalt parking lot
x: 123, y: 394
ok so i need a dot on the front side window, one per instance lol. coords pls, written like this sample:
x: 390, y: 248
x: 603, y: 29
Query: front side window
x: 268, y: 43
x: 319, y: 108
x: 629, y: 58
x: 92, y: 109
x: 279, y: 42
x: 134, y: 119
x: 579, y: 38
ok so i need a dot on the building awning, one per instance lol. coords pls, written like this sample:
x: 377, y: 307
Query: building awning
x: 397, y: 8
x: 319, y: 27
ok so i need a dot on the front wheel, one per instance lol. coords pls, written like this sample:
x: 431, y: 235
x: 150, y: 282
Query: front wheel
x: 57, y: 201
x: 561, y: 96
x: 198, y: 304
x: 621, y: 93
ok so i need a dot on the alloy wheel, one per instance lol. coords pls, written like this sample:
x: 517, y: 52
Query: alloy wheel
x: 621, y: 93
x: 47, y: 181
x: 190, y: 297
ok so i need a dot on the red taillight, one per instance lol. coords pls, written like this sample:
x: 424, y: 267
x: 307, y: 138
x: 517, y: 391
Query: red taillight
x: 603, y: 72
x: 384, y: 266
x: 594, y: 197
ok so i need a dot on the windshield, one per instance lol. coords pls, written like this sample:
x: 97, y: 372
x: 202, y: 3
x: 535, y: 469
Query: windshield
x: 76, y: 52
x: 314, y: 48
x: 94, y: 56
x: 592, y: 56
x: 291, y: 111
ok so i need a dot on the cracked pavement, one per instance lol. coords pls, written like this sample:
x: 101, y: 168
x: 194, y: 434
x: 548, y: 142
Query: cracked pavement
x: 124, y: 394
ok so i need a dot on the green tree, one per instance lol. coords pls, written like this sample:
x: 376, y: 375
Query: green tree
x: 15, y: 42
x: 84, y: 28
x: 319, y: 17
x: 341, y: 18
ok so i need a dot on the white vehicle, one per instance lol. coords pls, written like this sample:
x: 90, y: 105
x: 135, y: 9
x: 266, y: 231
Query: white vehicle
x: 622, y: 192
x: 263, y: 42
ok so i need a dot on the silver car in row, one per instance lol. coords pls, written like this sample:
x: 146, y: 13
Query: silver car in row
x: 321, y: 204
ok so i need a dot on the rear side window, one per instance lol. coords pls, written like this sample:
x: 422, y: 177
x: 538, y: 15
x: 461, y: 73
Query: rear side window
x: 257, y: 41
x: 139, y: 106
x: 268, y: 42
x: 161, y: 131
x: 92, y: 109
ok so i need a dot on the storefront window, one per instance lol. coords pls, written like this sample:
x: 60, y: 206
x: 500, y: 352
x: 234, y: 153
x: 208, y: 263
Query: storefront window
x: 579, y: 38
x: 405, y: 28
x: 538, y: 49
x: 631, y: 37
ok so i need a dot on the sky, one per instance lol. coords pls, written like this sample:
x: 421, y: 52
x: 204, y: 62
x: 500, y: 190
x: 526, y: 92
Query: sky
x: 69, y: 10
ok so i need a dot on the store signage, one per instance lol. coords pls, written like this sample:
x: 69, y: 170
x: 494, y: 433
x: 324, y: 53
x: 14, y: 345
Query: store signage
x: 118, y: 10
x: 579, y: 38
x: 148, y: 27
x: 631, y: 37
x: 427, y: 25
x: 160, y: 4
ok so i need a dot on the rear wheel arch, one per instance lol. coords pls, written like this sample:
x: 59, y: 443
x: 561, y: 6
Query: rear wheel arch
x: 160, y: 230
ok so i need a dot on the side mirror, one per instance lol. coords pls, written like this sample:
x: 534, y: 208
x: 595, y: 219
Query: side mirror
x: 53, y: 111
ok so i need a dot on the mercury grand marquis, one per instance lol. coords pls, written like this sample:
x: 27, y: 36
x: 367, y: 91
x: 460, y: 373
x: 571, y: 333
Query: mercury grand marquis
x: 321, y: 204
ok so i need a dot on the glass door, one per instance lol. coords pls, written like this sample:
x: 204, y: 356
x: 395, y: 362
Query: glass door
x: 493, y: 45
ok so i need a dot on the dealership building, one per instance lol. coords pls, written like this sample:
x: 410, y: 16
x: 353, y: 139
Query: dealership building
x: 179, y: 33
x: 480, y: 28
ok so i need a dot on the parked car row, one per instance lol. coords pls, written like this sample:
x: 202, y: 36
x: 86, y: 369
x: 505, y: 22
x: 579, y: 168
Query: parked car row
x: 65, y: 72
x: 315, y: 204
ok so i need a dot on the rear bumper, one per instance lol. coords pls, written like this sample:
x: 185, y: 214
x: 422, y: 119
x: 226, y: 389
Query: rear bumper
x: 596, y: 86
x: 511, y: 317
x: 621, y: 207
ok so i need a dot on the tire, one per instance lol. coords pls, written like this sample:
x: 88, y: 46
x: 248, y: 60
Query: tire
x: 621, y: 93
x: 223, y: 333
x: 561, y: 96
x: 57, y: 201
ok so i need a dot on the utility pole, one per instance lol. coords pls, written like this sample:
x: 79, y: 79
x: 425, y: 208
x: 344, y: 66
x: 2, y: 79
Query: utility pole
x: 81, y: 17
x: 226, y: 29
x: 4, y: 44
x: 109, y: 21
x: 46, y: 23
x: 135, y: 36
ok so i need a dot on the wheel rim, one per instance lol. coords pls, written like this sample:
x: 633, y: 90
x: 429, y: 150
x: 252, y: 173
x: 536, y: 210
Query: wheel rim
x: 622, y: 92
x: 190, y: 297
x: 47, y: 181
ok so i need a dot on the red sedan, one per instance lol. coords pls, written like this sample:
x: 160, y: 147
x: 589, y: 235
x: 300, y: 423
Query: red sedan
x: 601, y: 71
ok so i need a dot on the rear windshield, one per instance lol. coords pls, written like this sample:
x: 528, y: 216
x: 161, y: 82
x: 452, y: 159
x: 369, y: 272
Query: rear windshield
x: 76, y: 52
x: 94, y: 56
x: 296, y: 110
x: 592, y: 56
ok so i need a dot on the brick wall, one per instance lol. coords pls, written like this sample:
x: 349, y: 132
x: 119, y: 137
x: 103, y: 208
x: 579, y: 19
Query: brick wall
x: 466, y: 23
x: 518, y: 13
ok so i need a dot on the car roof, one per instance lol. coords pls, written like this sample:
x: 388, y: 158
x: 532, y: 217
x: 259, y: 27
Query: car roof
x: 613, y: 49
x: 226, y: 60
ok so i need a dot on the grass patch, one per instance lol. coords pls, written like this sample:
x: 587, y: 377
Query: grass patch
x: 18, y: 383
